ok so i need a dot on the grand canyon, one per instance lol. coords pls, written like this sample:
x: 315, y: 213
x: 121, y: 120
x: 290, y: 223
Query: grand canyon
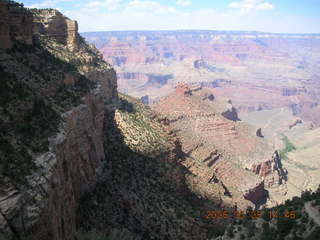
x: 256, y: 70
x: 270, y: 82
x: 162, y: 135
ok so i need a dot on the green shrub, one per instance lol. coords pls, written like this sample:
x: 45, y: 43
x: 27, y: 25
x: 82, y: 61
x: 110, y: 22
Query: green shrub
x: 289, y: 147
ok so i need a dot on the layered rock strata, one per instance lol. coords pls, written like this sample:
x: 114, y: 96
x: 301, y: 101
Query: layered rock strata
x: 221, y: 146
x: 258, y: 71
x: 51, y: 22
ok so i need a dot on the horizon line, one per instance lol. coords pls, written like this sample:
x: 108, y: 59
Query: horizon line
x: 204, y: 30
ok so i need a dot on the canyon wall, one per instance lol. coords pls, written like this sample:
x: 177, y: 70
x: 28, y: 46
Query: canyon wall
x: 258, y: 71
x: 15, y: 23
x: 45, y: 204
x: 221, y: 147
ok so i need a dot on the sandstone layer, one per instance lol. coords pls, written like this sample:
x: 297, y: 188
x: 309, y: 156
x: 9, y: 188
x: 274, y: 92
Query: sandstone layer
x: 221, y: 148
x: 258, y: 71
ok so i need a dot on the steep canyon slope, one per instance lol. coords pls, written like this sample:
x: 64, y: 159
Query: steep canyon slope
x: 222, y: 149
x: 271, y: 79
x: 54, y: 91
x: 77, y: 160
x: 80, y: 161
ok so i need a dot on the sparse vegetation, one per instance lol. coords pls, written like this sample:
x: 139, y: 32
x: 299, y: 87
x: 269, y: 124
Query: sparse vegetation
x: 138, y: 191
x: 32, y: 98
x: 288, y: 147
x: 295, y: 226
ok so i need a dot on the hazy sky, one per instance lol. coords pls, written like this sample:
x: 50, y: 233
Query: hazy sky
x: 286, y: 16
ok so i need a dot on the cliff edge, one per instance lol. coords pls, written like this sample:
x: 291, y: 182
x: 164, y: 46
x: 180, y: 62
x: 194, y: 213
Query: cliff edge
x: 55, y: 89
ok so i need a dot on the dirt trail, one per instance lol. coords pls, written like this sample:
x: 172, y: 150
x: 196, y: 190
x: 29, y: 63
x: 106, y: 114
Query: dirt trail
x: 312, y: 212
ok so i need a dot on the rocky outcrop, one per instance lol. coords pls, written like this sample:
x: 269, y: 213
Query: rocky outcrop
x: 271, y: 171
x: 259, y: 133
x: 257, y: 194
x: 145, y: 99
x: 289, y: 91
x: 52, y: 23
x: 16, y: 23
x: 220, y: 145
x: 230, y: 113
x: 157, y: 80
x: 292, y: 91
x: 296, y: 122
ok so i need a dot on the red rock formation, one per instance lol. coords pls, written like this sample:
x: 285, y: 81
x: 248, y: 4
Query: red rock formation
x: 271, y: 171
x: 250, y: 68
x: 75, y: 157
x: 119, y: 53
x: 224, y: 147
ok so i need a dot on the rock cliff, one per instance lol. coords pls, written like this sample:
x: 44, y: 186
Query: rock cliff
x: 46, y: 205
x: 15, y: 23
x: 51, y: 22
x: 77, y: 161
x: 55, y: 89
x: 143, y: 193
x: 221, y: 146
x: 271, y: 171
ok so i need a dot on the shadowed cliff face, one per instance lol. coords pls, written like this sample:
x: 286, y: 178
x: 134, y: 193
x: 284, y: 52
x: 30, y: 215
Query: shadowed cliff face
x: 143, y: 192
x: 62, y: 140
x: 77, y: 162
x: 15, y: 22
x: 54, y: 92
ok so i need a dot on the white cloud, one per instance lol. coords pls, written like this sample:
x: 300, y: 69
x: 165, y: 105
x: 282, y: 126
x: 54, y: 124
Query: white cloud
x: 48, y: 4
x: 149, y: 7
x: 95, y: 4
x: 152, y: 15
x: 109, y: 4
x: 183, y: 3
x: 266, y: 6
x: 246, y: 6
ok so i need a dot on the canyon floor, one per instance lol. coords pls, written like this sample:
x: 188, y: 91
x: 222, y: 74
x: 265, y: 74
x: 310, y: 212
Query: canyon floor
x: 300, y: 144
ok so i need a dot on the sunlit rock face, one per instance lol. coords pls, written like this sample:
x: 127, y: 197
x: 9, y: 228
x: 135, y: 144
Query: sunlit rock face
x: 222, y: 147
x: 52, y: 23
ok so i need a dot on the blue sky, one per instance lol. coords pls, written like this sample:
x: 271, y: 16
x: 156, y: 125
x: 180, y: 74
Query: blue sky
x: 280, y: 16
